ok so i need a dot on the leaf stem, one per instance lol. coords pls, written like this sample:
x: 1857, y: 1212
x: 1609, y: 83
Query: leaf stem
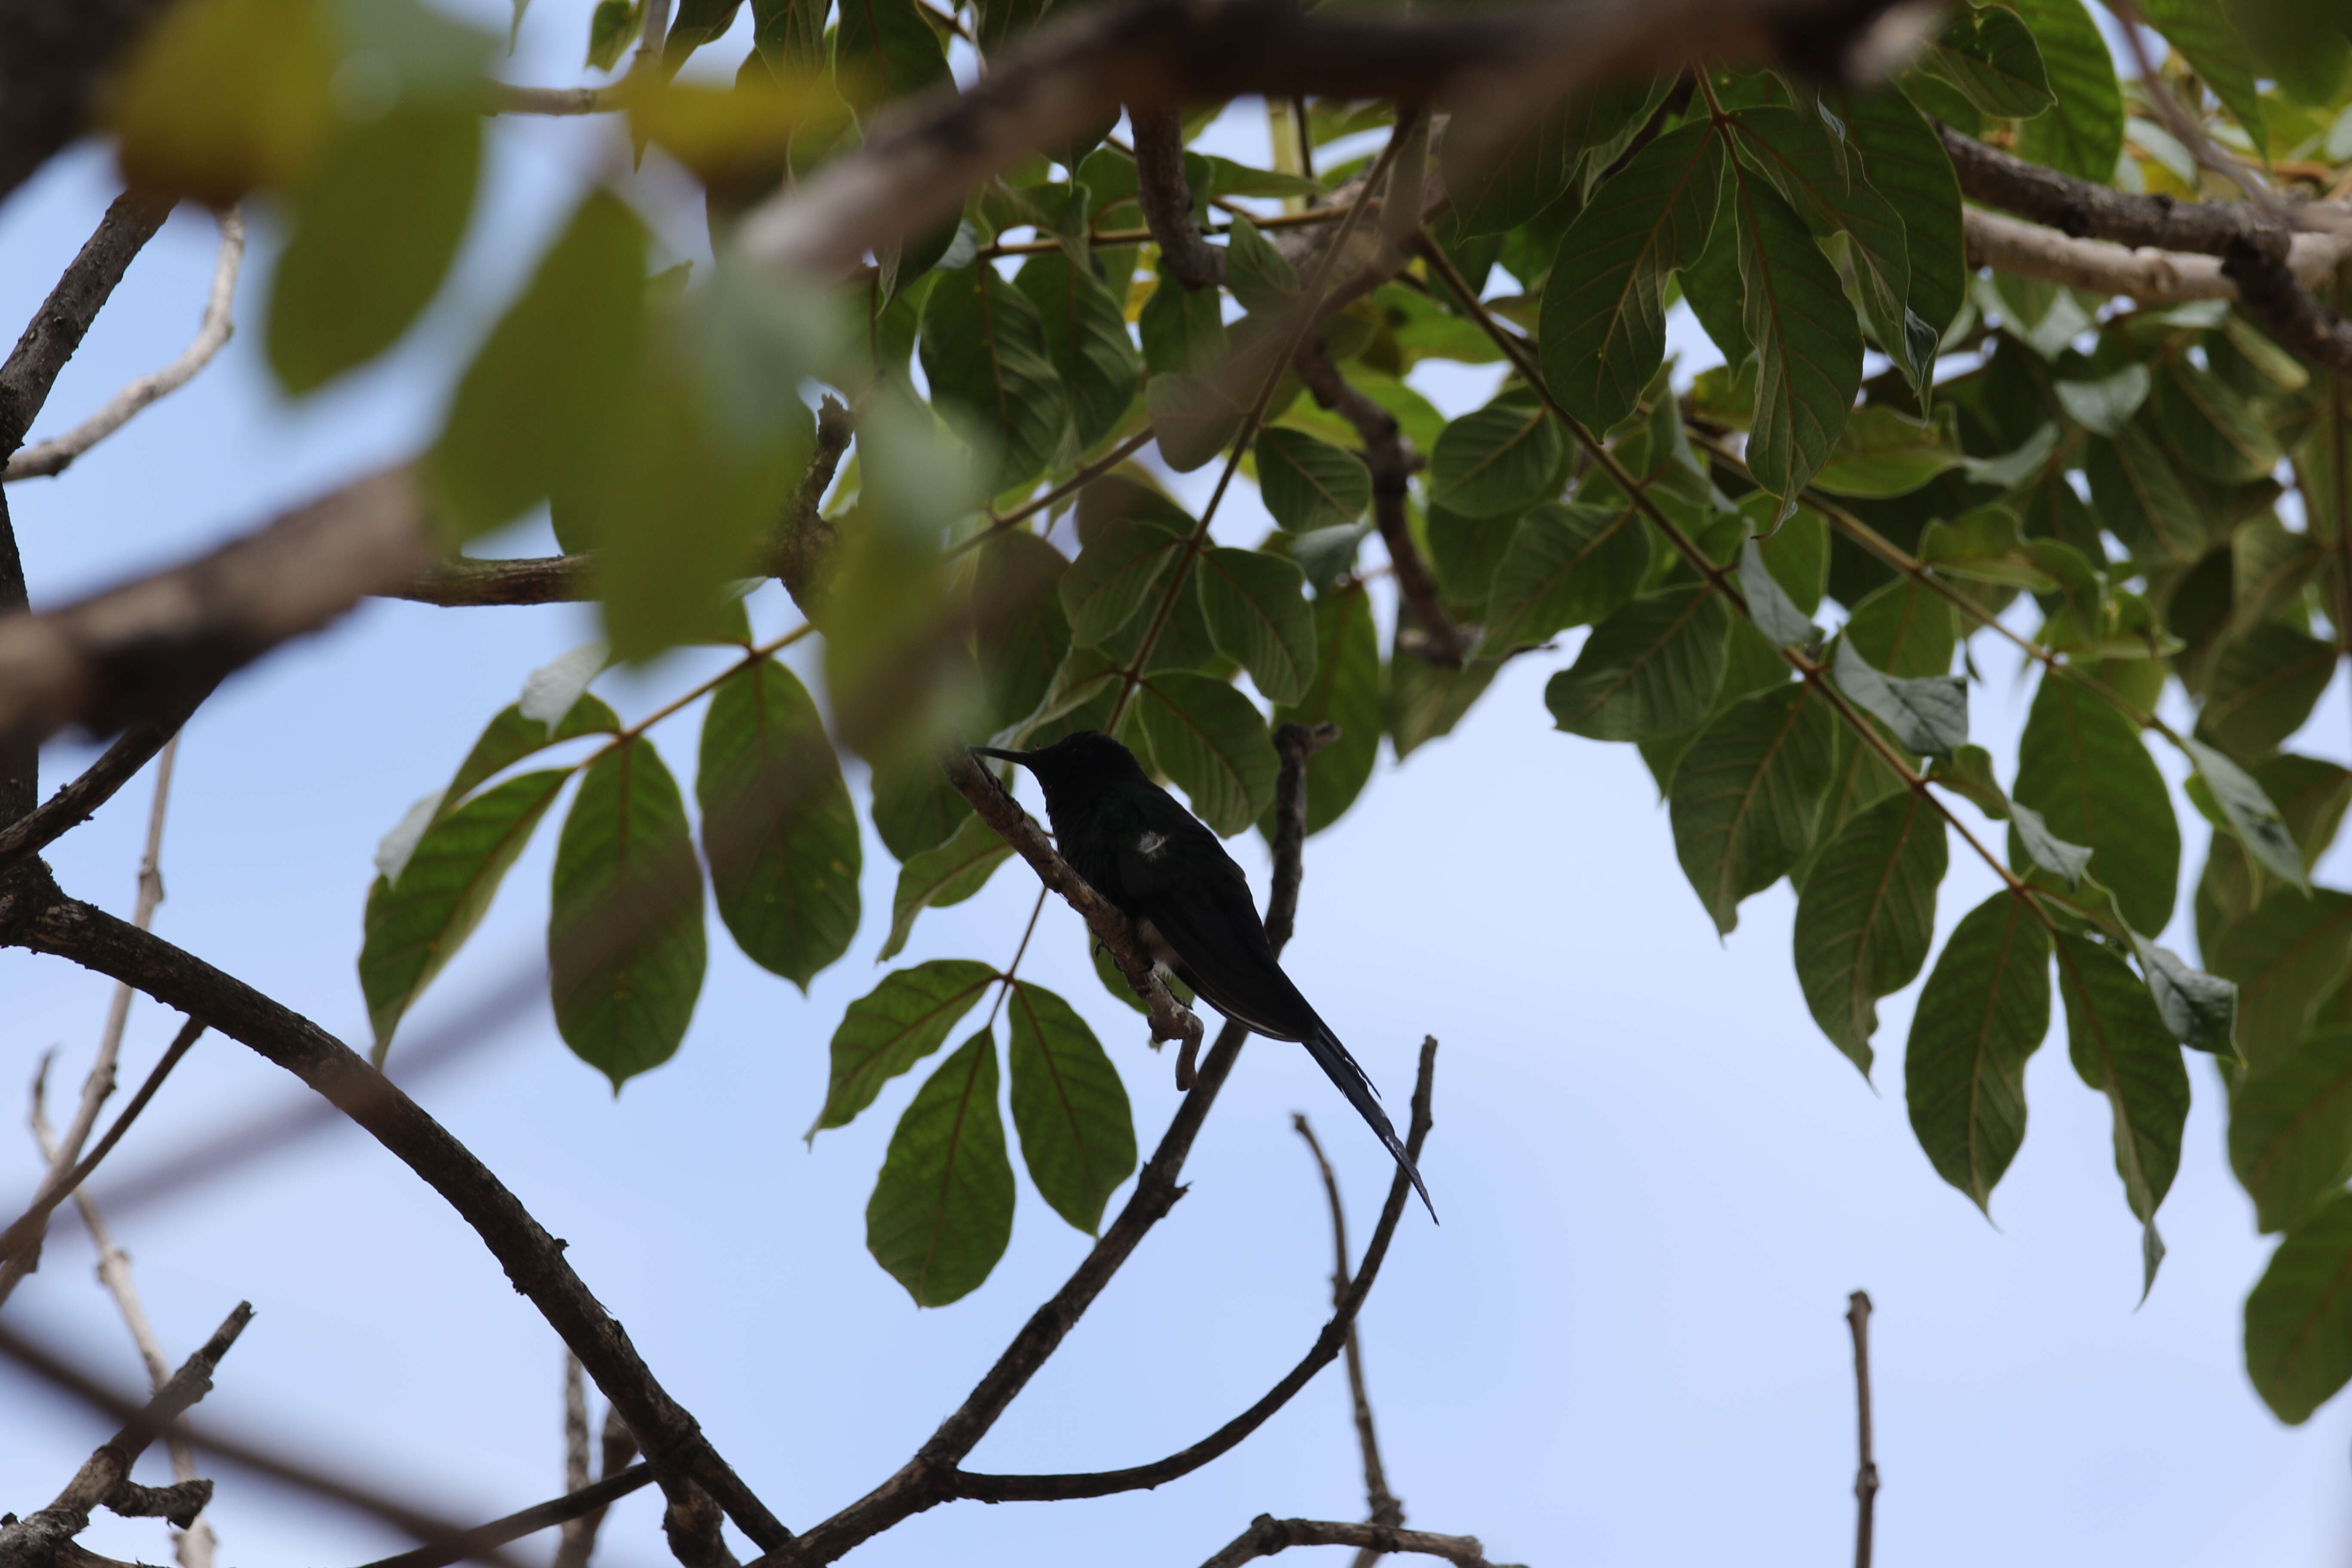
x: 1010, y: 970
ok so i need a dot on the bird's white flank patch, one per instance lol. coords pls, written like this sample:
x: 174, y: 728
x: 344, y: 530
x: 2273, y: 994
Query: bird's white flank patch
x: 1151, y: 844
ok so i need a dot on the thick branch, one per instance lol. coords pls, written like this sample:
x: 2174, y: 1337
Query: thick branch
x: 34, y: 916
x: 1326, y: 1347
x: 2151, y: 277
x: 1069, y: 74
x: 1268, y: 1535
x: 1166, y: 200
x: 57, y: 327
x: 1001, y: 812
x: 579, y: 1504
x: 2262, y: 266
x: 142, y: 652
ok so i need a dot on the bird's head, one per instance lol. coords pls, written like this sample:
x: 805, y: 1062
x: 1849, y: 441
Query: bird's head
x: 1080, y: 765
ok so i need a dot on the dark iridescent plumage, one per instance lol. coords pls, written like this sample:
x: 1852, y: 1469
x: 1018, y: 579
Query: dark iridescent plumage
x: 1190, y: 904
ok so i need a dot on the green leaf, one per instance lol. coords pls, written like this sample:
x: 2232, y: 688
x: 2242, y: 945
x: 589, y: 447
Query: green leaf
x: 1903, y: 629
x: 2249, y: 813
x: 2081, y: 764
x: 1212, y: 741
x: 694, y: 24
x: 1346, y: 691
x: 2291, y: 1129
x: 1077, y: 1134
x: 1983, y: 1012
x: 2202, y: 32
x: 1989, y: 54
x: 883, y: 49
x: 2287, y: 956
x: 1308, y: 484
x: 1022, y: 630
x: 1880, y: 454
x: 789, y: 35
x: 1602, y: 330
x: 510, y: 737
x: 778, y: 827
x: 374, y: 228
x: 1746, y: 793
x: 2210, y: 428
x: 2082, y: 133
x: 2140, y: 494
x: 986, y: 356
x: 1518, y: 179
x: 1929, y: 714
x: 946, y: 874
x: 2105, y: 405
x: 416, y: 923
x: 1182, y: 332
x: 1905, y: 163
x: 2299, y: 1315
x: 1648, y: 671
x: 941, y: 1212
x: 1115, y: 574
x: 624, y: 939
x: 2063, y: 860
x: 544, y: 398
x: 2264, y: 687
x: 610, y: 27
x: 1866, y: 916
x: 2201, y: 1009
x: 1808, y: 345
x: 1969, y: 771
x: 915, y: 806
x: 1565, y: 566
x: 1086, y: 340
x: 1769, y: 605
x: 1193, y: 417
x: 894, y: 1026
x: 1503, y: 457
x: 1260, y: 276
x: 1257, y: 610
x: 2121, y: 1047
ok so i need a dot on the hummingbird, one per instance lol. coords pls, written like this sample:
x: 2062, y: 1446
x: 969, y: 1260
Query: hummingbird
x: 1164, y: 869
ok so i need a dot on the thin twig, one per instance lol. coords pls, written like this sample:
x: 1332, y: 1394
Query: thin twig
x: 1865, y: 1475
x: 20, y: 1244
x: 212, y: 331
x: 1381, y: 1504
x: 194, y: 1543
x: 1269, y: 1535
x: 581, y: 1503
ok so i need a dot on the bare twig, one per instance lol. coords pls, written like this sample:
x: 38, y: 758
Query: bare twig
x: 1865, y: 1475
x: 195, y: 1543
x: 1384, y: 1506
x: 583, y: 1502
x: 212, y: 331
x: 511, y: 98
x: 20, y: 1244
x: 57, y: 327
x: 1269, y: 1535
x: 35, y: 915
x: 75, y: 802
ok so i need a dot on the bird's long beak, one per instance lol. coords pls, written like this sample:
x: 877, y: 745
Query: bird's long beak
x: 1020, y: 757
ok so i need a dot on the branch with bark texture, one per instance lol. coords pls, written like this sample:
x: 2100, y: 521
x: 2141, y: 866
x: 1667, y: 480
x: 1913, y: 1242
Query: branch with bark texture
x: 1383, y: 1505
x: 1435, y: 636
x: 212, y: 332
x: 1162, y: 191
x: 104, y: 1480
x: 997, y: 807
x: 33, y: 915
x: 1865, y: 1475
x: 1269, y: 1535
x: 58, y: 327
x: 2150, y: 277
x: 2255, y: 247
x: 586, y: 1503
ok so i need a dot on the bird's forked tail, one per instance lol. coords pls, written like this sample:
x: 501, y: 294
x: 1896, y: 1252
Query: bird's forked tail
x: 1341, y: 1069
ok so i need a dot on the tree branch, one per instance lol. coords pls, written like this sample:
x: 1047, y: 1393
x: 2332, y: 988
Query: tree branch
x: 1865, y: 1475
x: 1437, y: 638
x: 33, y: 915
x: 1001, y: 812
x: 20, y: 1244
x: 57, y: 327
x: 213, y: 331
x: 1166, y: 199
x: 920, y: 160
x: 76, y: 802
x: 581, y: 1503
x: 143, y: 650
x: 1326, y: 1346
x: 1268, y: 1535
x: 2150, y: 277
x: 1383, y: 1504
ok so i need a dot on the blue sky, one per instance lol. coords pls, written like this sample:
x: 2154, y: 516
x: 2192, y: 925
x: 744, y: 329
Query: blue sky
x: 1625, y: 1345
